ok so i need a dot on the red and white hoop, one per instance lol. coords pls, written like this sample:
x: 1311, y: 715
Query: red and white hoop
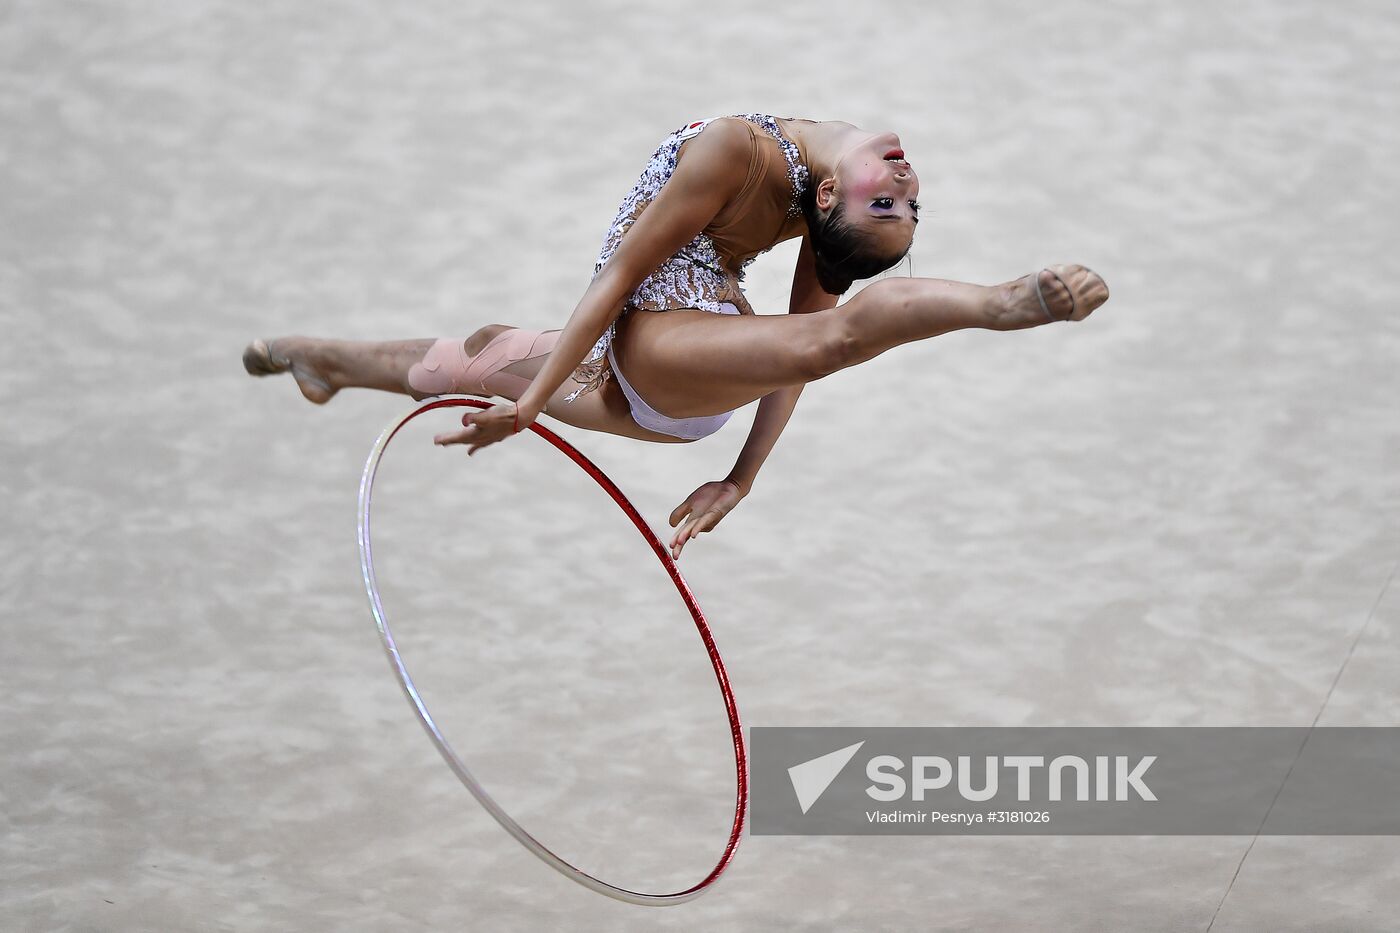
x: 456, y: 764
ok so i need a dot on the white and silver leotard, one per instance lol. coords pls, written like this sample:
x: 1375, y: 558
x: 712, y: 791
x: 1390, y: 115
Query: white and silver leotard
x: 699, y: 275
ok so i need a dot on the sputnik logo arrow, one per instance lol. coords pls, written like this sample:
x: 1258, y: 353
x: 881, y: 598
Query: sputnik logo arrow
x: 811, y: 778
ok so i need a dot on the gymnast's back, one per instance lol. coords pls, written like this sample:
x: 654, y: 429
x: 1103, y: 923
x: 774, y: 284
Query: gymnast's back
x: 708, y: 272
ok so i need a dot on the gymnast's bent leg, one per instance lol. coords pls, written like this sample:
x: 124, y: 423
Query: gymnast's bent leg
x: 497, y: 360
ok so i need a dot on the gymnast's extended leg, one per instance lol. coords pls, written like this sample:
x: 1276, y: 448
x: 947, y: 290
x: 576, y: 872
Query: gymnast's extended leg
x: 497, y: 360
x: 690, y: 363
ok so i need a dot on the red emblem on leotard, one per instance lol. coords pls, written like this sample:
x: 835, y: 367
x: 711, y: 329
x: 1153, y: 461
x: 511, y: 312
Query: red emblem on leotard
x: 694, y: 128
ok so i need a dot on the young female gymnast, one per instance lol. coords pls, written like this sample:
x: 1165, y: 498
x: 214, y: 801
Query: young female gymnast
x: 715, y: 195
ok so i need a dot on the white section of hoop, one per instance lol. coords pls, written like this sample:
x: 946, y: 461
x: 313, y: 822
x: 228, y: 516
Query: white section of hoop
x: 444, y: 748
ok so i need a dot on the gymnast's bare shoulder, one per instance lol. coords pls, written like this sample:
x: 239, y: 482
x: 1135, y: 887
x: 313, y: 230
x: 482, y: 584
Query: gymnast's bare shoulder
x: 725, y: 145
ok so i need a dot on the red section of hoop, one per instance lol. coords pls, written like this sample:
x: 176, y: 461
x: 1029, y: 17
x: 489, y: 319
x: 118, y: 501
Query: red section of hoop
x: 736, y: 728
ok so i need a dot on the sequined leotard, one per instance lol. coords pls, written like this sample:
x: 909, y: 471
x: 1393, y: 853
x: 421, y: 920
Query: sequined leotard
x: 707, y: 273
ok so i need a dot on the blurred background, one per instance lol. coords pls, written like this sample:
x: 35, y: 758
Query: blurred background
x: 1180, y: 512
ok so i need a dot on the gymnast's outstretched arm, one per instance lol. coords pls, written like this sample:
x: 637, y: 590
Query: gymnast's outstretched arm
x: 776, y: 407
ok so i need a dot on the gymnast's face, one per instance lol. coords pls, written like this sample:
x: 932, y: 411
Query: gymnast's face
x: 880, y: 191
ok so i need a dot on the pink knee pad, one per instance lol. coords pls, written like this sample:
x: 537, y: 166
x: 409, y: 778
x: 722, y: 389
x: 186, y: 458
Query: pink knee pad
x: 447, y: 368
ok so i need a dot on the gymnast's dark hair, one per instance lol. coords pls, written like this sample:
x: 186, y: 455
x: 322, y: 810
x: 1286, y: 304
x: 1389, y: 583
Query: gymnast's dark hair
x: 844, y: 252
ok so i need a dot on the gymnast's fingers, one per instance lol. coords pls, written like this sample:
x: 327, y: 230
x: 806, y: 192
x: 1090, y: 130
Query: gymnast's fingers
x: 486, y: 436
x: 682, y: 536
x: 697, y: 525
x: 460, y: 436
x: 707, y: 521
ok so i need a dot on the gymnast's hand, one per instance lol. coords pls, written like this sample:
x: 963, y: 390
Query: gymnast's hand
x: 485, y: 426
x: 705, y: 506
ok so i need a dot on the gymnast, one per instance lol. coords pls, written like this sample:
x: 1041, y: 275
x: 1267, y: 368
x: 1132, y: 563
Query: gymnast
x: 716, y: 194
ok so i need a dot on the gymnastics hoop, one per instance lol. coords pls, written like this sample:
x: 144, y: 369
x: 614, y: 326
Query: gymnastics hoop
x: 445, y: 749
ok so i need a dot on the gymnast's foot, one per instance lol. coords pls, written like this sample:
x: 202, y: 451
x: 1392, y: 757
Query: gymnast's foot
x: 299, y: 355
x: 1055, y: 293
